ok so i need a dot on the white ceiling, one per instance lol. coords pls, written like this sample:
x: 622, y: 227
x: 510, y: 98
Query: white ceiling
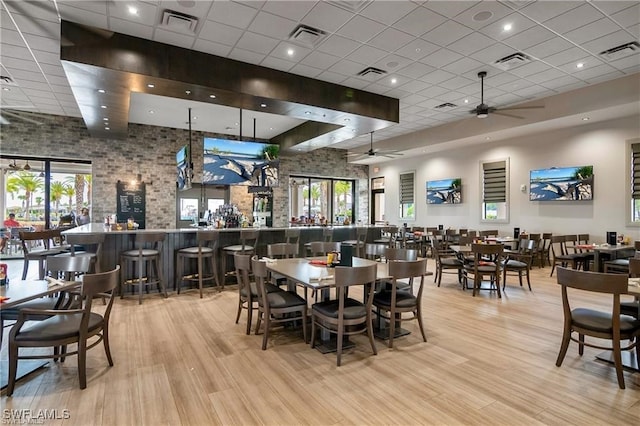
x: 433, y: 50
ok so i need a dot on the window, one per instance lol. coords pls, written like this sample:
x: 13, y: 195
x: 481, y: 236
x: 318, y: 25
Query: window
x: 495, y: 175
x: 635, y: 181
x: 407, y: 196
x: 322, y: 198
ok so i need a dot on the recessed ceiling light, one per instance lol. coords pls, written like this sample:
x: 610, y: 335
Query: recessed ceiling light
x: 236, y: 124
x: 188, y: 92
x: 290, y: 52
x: 263, y: 105
x: 151, y: 85
x: 466, y: 101
x: 107, y: 128
x: 103, y: 106
x: 488, y: 138
x: 270, y: 128
x: 580, y: 65
x: 418, y: 50
x: 394, y: 80
x: 102, y: 91
x: 195, y: 117
x: 585, y: 118
x: 105, y: 119
x: 6, y: 89
x: 482, y: 16
x: 133, y: 10
x: 307, y: 112
x: 507, y: 27
x: 212, y: 96
x: 151, y: 111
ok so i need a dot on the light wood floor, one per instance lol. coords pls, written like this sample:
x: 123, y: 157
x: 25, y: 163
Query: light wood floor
x: 182, y: 360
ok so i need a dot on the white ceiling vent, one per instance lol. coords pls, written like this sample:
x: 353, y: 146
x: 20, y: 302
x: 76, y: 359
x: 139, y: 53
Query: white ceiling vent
x: 512, y: 61
x: 621, y: 51
x: 307, y: 36
x: 371, y: 72
x: 447, y: 106
x: 356, y: 6
x: 5, y: 79
x: 177, y: 21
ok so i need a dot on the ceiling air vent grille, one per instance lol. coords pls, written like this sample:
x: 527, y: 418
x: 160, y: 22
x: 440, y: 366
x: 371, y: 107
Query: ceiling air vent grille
x: 447, y: 106
x: 307, y: 36
x: 512, y: 61
x: 371, y: 71
x: 179, y: 21
x: 621, y: 51
x: 355, y: 6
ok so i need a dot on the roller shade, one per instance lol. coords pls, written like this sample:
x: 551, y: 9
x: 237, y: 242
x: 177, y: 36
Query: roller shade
x: 635, y: 171
x: 494, y: 183
x: 406, y: 188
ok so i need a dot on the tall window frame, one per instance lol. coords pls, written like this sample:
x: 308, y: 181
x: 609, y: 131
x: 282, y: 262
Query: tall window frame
x: 494, y: 187
x: 407, y: 196
x: 335, y: 205
x: 633, y: 182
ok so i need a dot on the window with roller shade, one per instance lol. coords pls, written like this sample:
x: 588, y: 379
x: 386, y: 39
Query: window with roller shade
x: 407, y: 196
x: 495, y: 182
x: 635, y: 181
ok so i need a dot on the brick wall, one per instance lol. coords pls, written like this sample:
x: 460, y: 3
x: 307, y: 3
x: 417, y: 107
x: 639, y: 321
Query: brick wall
x: 150, y: 151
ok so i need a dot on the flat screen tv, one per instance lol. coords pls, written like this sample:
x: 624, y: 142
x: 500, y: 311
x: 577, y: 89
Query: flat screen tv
x: 561, y: 184
x: 444, y: 191
x: 183, y: 178
x: 228, y: 162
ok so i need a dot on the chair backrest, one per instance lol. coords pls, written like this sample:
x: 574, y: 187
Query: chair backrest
x: 557, y: 245
x: 361, y: 234
x: 407, y: 269
x: 355, y: 275
x: 282, y: 250
x: 242, y: 264
x: 583, y: 238
x: 534, y: 237
x: 65, y: 267
x: 634, y: 267
x: 207, y: 238
x: 465, y: 240
x: 400, y: 254
x: 417, y: 229
x: 463, y: 231
x: 472, y: 234
x: 489, y: 233
x: 92, y: 243
x: 593, y: 281
x: 249, y: 238
x: 321, y: 248
x: 292, y: 236
x: 569, y: 244
x: 487, y: 249
x: 261, y: 275
x: 374, y: 251
x: 102, y: 284
x: 327, y: 234
x: 35, y: 239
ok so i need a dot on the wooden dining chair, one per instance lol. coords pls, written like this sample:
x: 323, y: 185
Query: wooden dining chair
x: 601, y: 325
x: 559, y: 254
x: 487, y: 263
x: 38, y: 245
x: 343, y: 315
x: 359, y: 242
x: 446, y: 262
x: 519, y: 263
x: 65, y: 327
x: 374, y: 251
x: 276, y: 307
x: 321, y: 248
x: 632, y: 308
x: 398, y: 299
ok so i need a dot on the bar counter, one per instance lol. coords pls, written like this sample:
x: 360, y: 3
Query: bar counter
x: 116, y: 242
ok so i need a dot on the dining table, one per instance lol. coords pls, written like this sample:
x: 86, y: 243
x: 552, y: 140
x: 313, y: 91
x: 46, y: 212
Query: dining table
x: 613, y: 251
x: 314, y: 274
x: 17, y: 292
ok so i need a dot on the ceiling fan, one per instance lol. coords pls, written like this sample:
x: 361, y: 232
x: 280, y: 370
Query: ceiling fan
x: 374, y: 152
x: 14, y: 166
x: 483, y: 110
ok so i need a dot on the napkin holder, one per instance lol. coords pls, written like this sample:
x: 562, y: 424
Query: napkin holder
x: 346, y: 255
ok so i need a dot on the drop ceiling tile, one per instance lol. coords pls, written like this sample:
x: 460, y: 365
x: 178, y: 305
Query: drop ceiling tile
x: 326, y: 17
x: 492, y: 53
x: 571, y: 55
x: 415, y: 70
x: 433, y: 92
x: 391, y: 40
x: 347, y: 67
x: 462, y: 66
x: 608, y: 41
x: 518, y: 23
x: 53, y: 70
x: 589, y: 73
x: 548, y: 48
x: 220, y: 33
x: 367, y: 55
x: 44, y: 101
x: 147, y: 13
x: 332, y: 77
x: 38, y: 10
x: 272, y: 26
x: 13, y: 51
x: 529, y: 38
x: 294, y: 10
x: 471, y: 44
x: 440, y: 58
x: 256, y: 43
x: 65, y: 98
x: 338, y: 46
x: 541, y: 11
x: 530, y: 68
x: 15, y: 65
x: 415, y: 86
x: 609, y: 7
x: 47, y: 57
x: 625, y: 64
x: 32, y: 88
x: 72, y: 112
x: 379, y: 87
x: 413, y: 99
x: 361, y: 29
x: 592, y: 31
x: 61, y: 89
x: 575, y: 18
x: 278, y: 64
x: 125, y: 27
x: 396, y: 93
x: 33, y: 75
x: 212, y: 48
x: 10, y: 37
x: 547, y: 75
x: 87, y: 17
x: 629, y: 16
x: 529, y: 92
x: 391, y: 63
x: 281, y: 51
x: 319, y: 60
x: 419, y: 21
x: 199, y: 9
x: 356, y: 83
x: 635, y: 31
x: 411, y: 109
x: 417, y: 49
x: 469, y: 16
x: 449, y: 8
x: 451, y: 96
x: 471, y: 89
x: 305, y: 70
x: 632, y: 69
x: 499, y: 79
x: 42, y: 43
x: 232, y: 13
x: 173, y: 38
x: 388, y: 12
x: 557, y: 83
x: 447, y: 33
x: 437, y: 76
x: 246, y: 56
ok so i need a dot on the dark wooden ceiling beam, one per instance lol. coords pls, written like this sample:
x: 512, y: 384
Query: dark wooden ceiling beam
x: 121, y: 64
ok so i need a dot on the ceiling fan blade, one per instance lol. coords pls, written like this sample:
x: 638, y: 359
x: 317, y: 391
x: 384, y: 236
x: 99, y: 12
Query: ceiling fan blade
x: 389, y: 153
x: 525, y: 107
x: 506, y: 115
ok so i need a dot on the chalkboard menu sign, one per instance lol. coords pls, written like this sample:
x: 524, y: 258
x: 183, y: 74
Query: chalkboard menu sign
x: 131, y: 202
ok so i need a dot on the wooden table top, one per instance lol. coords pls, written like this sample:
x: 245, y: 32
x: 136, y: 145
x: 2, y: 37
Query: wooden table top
x: 18, y: 292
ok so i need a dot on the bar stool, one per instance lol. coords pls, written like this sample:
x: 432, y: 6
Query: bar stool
x: 89, y: 245
x: 148, y: 252
x: 359, y: 242
x: 206, y: 249
x: 248, y: 245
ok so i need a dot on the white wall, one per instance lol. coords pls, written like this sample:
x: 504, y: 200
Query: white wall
x: 601, y: 144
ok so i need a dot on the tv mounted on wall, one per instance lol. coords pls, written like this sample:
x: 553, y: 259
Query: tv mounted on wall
x: 561, y: 184
x: 184, y: 172
x: 444, y: 191
x: 229, y: 162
